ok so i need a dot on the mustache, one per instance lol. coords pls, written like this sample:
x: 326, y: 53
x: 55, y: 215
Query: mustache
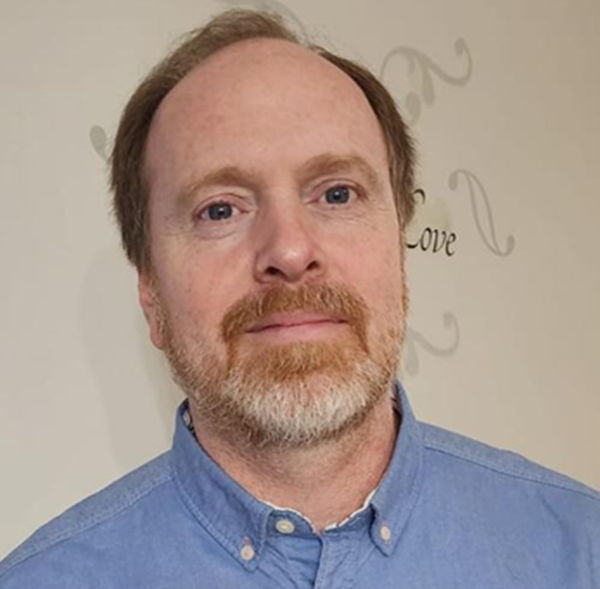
x: 327, y: 299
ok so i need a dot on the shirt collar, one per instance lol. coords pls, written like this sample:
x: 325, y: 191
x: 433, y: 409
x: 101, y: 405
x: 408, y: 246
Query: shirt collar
x: 399, y: 489
x: 239, y: 521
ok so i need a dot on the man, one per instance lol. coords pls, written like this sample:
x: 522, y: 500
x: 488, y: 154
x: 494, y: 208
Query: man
x: 263, y: 188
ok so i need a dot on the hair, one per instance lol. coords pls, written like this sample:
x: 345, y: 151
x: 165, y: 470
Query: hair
x: 127, y: 168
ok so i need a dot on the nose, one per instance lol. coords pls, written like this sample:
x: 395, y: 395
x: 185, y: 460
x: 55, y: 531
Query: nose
x: 288, y: 250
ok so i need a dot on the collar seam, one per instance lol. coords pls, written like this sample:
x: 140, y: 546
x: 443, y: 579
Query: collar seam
x: 404, y: 514
x: 532, y: 478
x: 398, y: 518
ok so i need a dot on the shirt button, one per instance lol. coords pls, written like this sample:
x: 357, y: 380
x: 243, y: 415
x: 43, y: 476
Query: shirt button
x: 385, y: 533
x: 284, y: 526
x: 187, y: 419
x: 247, y: 552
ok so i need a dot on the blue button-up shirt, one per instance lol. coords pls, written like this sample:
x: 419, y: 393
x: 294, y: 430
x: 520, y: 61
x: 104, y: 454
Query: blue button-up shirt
x: 449, y: 513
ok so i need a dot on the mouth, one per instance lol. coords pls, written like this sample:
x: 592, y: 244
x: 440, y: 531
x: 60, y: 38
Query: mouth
x: 295, y: 319
x: 296, y: 326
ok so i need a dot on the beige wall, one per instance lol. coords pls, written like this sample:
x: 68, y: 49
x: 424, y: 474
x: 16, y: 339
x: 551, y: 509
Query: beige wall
x: 504, y: 334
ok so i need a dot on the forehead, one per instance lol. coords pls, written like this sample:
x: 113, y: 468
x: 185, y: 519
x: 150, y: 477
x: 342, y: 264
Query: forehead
x: 260, y: 103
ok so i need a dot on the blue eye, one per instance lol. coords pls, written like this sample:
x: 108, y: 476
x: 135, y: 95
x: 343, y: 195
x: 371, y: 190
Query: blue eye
x: 337, y: 195
x: 219, y: 211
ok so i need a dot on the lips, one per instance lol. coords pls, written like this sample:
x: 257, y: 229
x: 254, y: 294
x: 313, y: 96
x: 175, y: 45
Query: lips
x: 280, y: 320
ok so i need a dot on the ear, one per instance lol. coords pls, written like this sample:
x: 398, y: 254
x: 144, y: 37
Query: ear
x: 151, y: 307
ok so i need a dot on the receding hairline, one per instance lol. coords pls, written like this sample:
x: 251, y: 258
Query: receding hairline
x: 295, y: 49
x: 211, y: 67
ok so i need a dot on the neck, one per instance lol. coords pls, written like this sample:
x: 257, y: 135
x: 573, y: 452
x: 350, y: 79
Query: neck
x: 326, y: 482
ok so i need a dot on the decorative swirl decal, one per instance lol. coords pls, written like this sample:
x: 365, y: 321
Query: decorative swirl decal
x: 270, y: 6
x: 423, y: 66
x: 476, y: 190
x: 99, y: 141
x: 414, y: 339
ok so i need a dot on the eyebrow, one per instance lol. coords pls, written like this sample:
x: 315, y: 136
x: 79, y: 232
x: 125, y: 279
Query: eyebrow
x: 320, y: 165
x: 229, y: 175
x: 329, y: 163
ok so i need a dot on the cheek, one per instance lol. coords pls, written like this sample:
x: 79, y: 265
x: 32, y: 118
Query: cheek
x: 374, y: 264
x: 198, y: 278
x: 201, y: 292
x: 377, y: 271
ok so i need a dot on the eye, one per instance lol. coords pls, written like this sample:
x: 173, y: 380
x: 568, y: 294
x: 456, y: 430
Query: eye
x: 337, y: 195
x: 218, y: 211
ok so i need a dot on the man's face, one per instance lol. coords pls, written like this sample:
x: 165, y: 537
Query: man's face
x: 277, y: 286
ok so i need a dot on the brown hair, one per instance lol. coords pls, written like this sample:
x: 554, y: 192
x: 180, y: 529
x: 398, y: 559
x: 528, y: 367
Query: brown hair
x: 127, y: 177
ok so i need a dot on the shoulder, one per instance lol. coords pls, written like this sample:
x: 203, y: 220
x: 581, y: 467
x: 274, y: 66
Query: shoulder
x: 105, y: 508
x: 510, y: 476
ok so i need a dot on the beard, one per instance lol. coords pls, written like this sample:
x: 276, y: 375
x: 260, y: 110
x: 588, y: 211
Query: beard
x: 289, y: 395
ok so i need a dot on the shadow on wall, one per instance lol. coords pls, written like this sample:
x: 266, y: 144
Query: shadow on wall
x: 131, y: 377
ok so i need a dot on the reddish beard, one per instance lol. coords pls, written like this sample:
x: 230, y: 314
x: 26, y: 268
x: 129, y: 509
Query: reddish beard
x: 292, y: 394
